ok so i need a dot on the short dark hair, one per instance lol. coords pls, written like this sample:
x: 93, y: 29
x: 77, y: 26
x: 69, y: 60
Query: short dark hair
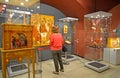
x: 55, y: 29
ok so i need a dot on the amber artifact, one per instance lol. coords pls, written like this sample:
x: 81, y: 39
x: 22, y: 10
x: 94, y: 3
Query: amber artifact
x: 42, y: 29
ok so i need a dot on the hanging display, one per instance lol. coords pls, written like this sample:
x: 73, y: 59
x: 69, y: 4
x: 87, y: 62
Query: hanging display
x: 42, y: 29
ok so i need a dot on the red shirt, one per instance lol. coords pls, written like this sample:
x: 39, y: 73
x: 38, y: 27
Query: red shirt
x: 56, y: 41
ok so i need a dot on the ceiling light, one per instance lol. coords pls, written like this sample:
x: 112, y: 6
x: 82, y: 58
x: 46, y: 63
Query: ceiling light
x: 6, y: 0
x: 31, y: 10
x: 17, y: 8
x: 68, y: 19
x: 26, y: 0
x: 18, y: 11
x: 22, y: 3
x: 38, y: 6
x: 3, y: 8
x: 98, y: 15
x: 27, y: 9
x: 4, y: 5
x: 91, y: 16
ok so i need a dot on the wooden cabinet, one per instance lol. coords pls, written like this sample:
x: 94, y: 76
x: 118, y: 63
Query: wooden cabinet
x: 17, y: 44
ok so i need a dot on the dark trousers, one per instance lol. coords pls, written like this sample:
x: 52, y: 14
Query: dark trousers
x: 57, y: 58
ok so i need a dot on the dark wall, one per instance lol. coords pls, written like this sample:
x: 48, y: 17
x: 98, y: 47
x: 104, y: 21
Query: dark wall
x: 115, y: 17
x: 2, y: 19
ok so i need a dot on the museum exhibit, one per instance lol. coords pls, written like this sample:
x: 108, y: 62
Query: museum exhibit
x: 90, y: 32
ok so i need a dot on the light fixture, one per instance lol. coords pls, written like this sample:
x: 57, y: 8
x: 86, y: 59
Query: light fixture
x: 91, y: 16
x: 22, y: 3
x: 31, y: 10
x: 18, y: 11
x: 4, y: 5
x: 38, y: 6
x: 26, y: 0
x: 6, y: 0
x: 17, y: 8
x: 3, y: 8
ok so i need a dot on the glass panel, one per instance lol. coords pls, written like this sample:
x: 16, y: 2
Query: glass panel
x: 97, y: 28
x: 67, y: 29
x: 19, y: 12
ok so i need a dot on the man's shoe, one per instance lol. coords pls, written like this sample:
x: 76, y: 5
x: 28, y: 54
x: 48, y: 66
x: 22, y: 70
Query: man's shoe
x: 55, y: 72
x: 61, y: 70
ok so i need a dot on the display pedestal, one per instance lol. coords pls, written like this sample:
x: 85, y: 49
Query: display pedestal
x: 18, y: 54
x: 38, y: 64
x: 68, y: 57
x: 112, y: 55
x: 97, y: 66
x: 65, y: 62
x: 17, y: 69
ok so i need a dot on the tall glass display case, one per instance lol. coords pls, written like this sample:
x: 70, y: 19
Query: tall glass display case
x: 97, y: 27
x: 67, y: 29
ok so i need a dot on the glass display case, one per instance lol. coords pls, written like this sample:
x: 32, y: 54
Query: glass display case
x: 97, y: 27
x: 67, y: 29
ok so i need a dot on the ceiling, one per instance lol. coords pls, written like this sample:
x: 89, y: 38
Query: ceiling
x: 26, y: 3
x: 78, y: 8
x: 71, y: 8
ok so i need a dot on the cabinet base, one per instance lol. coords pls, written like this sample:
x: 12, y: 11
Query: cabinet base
x: 97, y: 66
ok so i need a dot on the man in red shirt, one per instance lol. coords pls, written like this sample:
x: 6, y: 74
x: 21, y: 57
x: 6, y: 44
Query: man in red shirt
x: 56, y: 42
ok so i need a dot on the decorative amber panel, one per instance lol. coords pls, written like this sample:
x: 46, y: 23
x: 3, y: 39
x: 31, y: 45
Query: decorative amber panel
x: 113, y: 42
x: 16, y: 36
x: 42, y: 28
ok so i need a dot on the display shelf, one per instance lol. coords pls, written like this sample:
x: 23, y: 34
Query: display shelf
x: 97, y: 66
x: 17, y: 69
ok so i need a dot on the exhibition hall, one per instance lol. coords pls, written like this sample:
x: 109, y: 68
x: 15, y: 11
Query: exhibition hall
x: 59, y: 39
